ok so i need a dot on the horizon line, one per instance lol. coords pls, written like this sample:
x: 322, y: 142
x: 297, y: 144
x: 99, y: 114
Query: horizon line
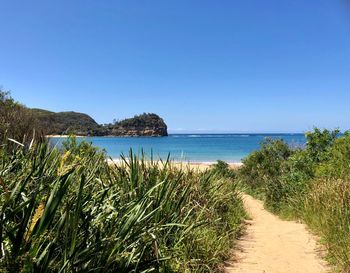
x: 171, y: 131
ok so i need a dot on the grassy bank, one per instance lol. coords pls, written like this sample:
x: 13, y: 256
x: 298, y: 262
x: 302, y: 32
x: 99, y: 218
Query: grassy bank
x: 69, y: 211
x: 311, y: 183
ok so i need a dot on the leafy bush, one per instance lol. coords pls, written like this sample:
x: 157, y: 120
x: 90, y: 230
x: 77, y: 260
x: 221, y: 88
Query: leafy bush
x: 262, y: 170
x: 327, y: 203
x: 319, y: 143
x: 16, y: 121
x: 280, y: 174
x: 298, y: 171
x: 338, y: 163
x: 223, y: 169
x: 71, y: 211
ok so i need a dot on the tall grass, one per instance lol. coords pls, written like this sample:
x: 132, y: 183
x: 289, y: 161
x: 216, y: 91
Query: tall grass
x: 70, y: 211
x: 327, y: 211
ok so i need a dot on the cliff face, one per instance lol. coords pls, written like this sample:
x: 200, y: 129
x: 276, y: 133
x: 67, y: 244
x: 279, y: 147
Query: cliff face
x: 147, y: 131
x: 81, y: 124
x: 141, y: 125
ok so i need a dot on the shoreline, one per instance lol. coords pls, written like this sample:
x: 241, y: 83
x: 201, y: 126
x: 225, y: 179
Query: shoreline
x: 62, y: 136
x: 192, y: 164
x: 106, y: 136
x: 202, y: 166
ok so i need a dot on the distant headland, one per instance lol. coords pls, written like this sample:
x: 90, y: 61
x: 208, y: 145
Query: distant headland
x: 65, y: 123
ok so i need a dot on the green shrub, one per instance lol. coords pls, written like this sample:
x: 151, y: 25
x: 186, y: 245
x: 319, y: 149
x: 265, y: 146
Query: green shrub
x: 16, y: 122
x: 298, y: 171
x: 282, y: 175
x: 223, y: 169
x: 338, y: 163
x: 262, y: 170
x: 327, y: 203
x: 319, y: 142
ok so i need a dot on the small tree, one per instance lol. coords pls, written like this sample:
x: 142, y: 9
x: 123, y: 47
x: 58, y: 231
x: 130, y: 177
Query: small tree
x: 319, y: 142
x: 16, y: 121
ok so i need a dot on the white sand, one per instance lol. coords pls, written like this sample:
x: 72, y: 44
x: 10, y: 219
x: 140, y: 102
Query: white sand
x: 200, y: 166
x: 60, y: 136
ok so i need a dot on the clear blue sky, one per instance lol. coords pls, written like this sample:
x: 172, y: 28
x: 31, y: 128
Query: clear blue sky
x: 234, y: 65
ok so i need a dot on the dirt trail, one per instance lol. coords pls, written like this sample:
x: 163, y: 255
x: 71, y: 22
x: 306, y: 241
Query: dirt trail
x: 272, y: 245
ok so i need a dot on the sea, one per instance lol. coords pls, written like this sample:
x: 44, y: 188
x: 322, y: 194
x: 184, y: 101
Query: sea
x: 208, y: 148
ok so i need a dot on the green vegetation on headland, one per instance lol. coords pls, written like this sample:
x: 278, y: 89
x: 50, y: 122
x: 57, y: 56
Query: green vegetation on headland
x: 64, y: 123
x: 140, y: 125
x: 311, y: 184
x: 67, y: 123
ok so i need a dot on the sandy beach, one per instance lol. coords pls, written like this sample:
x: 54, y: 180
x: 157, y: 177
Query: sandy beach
x: 199, y: 166
x: 61, y: 136
x: 202, y: 166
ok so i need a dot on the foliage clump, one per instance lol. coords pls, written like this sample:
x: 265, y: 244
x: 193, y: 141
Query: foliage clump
x: 223, y: 169
x: 16, y: 121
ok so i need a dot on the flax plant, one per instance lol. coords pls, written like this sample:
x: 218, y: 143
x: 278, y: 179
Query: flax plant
x: 68, y: 210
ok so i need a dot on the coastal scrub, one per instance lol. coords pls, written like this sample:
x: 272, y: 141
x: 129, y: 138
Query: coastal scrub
x: 70, y: 211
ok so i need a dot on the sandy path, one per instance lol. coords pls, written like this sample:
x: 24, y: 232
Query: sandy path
x: 272, y: 245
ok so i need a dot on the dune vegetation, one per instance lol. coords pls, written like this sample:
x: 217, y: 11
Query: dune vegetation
x: 310, y: 183
x: 68, y: 210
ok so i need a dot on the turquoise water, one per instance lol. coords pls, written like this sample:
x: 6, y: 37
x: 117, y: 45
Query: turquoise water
x: 190, y: 147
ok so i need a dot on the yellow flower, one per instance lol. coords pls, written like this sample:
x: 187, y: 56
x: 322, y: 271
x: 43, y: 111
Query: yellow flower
x: 64, y: 159
x: 36, y: 217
